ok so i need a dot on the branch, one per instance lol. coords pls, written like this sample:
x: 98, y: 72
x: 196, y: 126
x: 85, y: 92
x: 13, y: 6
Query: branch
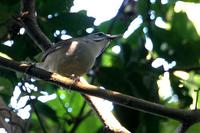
x: 38, y: 116
x: 28, y: 19
x: 183, y: 128
x: 106, y: 116
x: 110, y: 122
x: 190, y: 116
x: 120, y: 10
x: 78, y: 118
x: 15, y: 123
x: 30, y: 24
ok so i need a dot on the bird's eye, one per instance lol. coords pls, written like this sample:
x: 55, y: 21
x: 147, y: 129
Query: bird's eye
x: 100, y: 34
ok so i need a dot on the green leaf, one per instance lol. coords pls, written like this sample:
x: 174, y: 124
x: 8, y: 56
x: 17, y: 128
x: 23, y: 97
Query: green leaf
x: 90, y: 125
x: 170, y: 124
x: 8, y: 2
x: 185, y: 100
x: 6, y: 88
x: 118, y: 27
x: 46, y: 7
x: 46, y: 110
x: 194, y: 128
x: 5, y: 84
x: 74, y: 23
x: 22, y: 48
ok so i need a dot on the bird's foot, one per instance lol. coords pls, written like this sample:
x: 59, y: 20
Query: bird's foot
x: 75, y: 79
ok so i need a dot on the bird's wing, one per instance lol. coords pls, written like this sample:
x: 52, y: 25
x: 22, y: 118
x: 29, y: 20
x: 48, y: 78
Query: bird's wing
x: 62, y: 44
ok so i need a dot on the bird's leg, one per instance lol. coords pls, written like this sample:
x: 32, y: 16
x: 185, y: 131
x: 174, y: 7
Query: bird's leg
x: 75, y: 78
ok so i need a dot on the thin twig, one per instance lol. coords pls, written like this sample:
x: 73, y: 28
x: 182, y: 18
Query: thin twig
x: 29, y: 21
x: 148, y: 19
x: 78, y: 118
x: 82, y: 109
x: 13, y: 119
x: 60, y: 100
x: 120, y: 10
x: 197, y: 97
x: 183, y: 128
x: 87, y: 114
x: 35, y: 109
x: 39, y: 118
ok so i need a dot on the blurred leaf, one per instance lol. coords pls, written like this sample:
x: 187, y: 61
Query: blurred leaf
x: 194, y: 128
x: 184, y: 28
x: 135, y: 37
x: 46, y: 110
x: 118, y: 27
x: 90, y: 125
x: 110, y: 77
x: 171, y: 126
x: 5, y: 85
x: 6, y: 12
x: 22, y: 48
x: 127, y: 117
x: 3, y: 31
x: 181, y: 40
x: 8, y: 75
x: 6, y: 88
x: 185, y: 100
x: 52, y: 7
x: 44, y: 86
x: 148, y: 124
x: 129, y: 72
x: 8, y: 3
x: 74, y: 23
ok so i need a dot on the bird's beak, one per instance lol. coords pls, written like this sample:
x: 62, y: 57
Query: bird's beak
x: 112, y: 37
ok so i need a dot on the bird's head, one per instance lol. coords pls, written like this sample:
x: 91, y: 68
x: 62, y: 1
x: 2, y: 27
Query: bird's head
x: 101, y: 37
x: 98, y: 41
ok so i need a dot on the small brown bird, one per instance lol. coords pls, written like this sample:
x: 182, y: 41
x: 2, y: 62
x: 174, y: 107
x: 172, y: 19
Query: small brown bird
x: 75, y: 56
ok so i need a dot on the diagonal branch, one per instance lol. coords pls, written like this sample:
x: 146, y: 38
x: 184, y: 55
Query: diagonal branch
x: 15, y: 123
x: 120, y: 10
x: 190, y: 116
x: 28, y: 19
x: 183, y: 128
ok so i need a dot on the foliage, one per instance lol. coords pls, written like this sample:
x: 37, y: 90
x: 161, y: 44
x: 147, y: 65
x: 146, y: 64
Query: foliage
x: 129, y: 72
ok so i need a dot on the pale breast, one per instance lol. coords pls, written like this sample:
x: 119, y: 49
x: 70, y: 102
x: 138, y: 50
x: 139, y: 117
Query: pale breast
x: 78, y: 63
x: 74, y: 60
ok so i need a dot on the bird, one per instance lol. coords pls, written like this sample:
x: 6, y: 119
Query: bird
x: 75, y: 56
